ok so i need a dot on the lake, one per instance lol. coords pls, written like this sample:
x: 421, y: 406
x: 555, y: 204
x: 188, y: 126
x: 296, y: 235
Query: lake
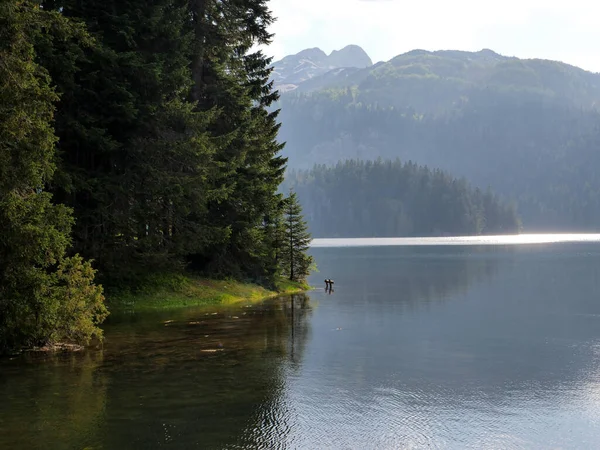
x: 475, y: 344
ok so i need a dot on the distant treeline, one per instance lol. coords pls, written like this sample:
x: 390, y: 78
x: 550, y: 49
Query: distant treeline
x: 390, y: 198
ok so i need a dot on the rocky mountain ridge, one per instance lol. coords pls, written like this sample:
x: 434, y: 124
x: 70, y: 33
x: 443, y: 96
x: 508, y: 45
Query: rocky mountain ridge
x: 294, y: 70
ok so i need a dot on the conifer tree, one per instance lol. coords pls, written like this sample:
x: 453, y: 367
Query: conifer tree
x: 44, y: 296
x: 295, y: 261
x: 251, y: 169
x: 168, y: 153
x: 137, y: 158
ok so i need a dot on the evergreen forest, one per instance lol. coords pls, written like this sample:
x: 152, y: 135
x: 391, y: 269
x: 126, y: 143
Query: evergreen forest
x: 134, y: 139
x: 389, y: 199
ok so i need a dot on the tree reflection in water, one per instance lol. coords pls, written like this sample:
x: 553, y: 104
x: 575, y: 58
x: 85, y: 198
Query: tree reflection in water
x: 191, y: 379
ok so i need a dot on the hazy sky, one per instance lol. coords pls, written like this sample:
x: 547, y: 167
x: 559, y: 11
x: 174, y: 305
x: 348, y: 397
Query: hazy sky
x: 565, y: 30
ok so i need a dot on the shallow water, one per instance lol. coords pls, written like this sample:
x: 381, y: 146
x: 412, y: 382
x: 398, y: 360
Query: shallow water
x: 435, y: 346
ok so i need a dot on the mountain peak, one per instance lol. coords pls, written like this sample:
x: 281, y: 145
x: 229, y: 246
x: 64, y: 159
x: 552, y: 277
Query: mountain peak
x: 350, y: 56
x: 312, y: 53
x: 312, y: 62
x: 488, y: 52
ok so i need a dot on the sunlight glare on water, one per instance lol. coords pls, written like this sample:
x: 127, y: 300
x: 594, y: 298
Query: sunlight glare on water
x: 511, y: 239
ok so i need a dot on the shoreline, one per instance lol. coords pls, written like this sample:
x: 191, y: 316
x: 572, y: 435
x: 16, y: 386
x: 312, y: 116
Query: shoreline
x: 172, y: 292
x: 183, y: 291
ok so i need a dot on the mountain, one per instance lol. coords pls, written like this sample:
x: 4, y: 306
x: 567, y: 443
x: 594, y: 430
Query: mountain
x: 310, y: 63
x: 434, y: 81
x: 529, y: 129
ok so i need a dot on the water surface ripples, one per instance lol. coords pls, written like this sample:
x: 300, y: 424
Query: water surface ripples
x: 425, y: 346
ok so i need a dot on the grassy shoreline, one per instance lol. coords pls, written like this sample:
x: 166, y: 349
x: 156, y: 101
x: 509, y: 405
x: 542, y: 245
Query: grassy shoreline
x: 179, y: 291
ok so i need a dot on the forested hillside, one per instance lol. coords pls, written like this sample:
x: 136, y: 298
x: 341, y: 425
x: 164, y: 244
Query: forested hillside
x: 433, y: 82
x: 134, y: 135
x: 391, y: 199
x: 529, y: 129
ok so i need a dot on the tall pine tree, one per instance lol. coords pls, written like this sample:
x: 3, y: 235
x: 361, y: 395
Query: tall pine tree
x: 230, y: 76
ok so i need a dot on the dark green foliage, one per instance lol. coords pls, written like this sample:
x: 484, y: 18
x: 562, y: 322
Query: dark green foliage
x: 294, y: 260
x: 44, y: 296
x: 168, y: 153
x: 237, y: 84
x: 389, y: 199
x: 135, y: 156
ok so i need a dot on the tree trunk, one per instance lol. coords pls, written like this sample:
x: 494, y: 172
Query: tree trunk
x: 198, y: 10
x: 291, y: 251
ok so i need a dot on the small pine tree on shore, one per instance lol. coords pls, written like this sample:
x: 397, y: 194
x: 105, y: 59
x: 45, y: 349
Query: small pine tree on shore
x: 295, y: 262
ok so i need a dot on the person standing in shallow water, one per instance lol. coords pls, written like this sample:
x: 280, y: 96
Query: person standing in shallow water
x: 329, y: 285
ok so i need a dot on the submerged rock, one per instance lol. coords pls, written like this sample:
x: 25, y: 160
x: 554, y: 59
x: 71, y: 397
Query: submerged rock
x: 58, y: 347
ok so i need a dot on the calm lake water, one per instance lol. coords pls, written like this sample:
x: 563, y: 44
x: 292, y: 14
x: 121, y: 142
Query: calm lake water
x: 463, y: 346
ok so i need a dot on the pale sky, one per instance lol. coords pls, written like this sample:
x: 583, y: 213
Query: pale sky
x: 564, y: 30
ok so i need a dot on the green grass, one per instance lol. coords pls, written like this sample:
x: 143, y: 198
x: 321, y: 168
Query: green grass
x: 178, y: 291
x: 285, y: 286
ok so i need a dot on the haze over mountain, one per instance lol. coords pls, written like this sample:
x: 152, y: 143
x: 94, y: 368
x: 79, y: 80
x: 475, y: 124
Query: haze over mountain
x: 310, y: 63
x: 408, y: 77
x: 526, y: 128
